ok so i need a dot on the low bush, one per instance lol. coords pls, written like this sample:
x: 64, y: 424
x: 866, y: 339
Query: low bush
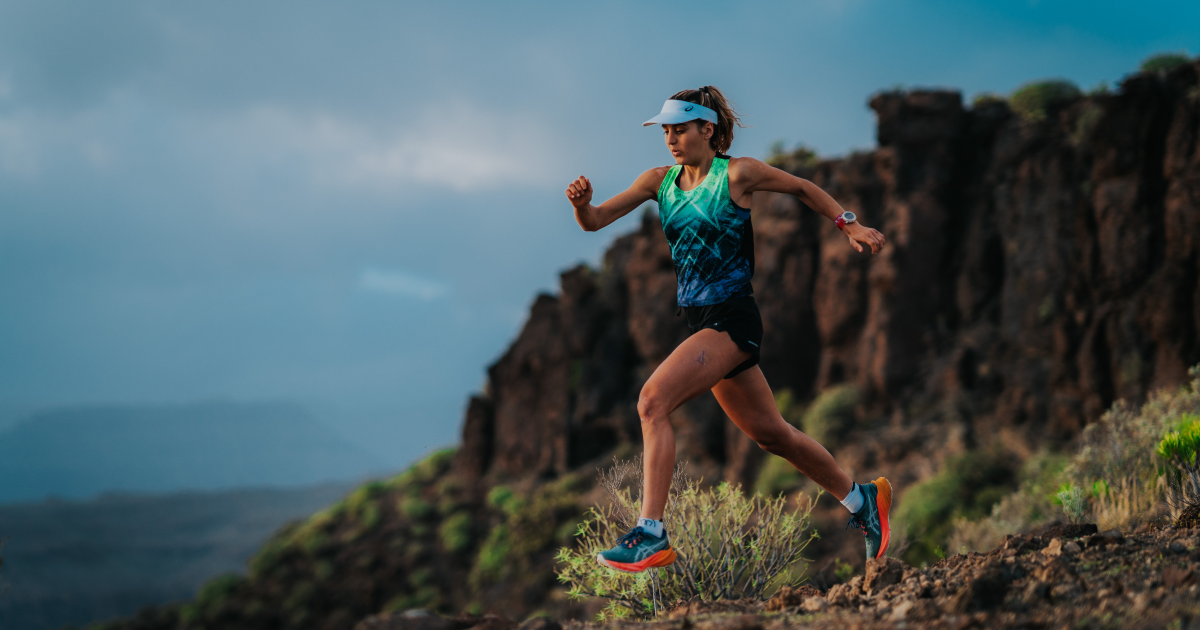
x: 729, y: 545
x: 1074, y: 503
x: 983, y: 99
x: 966, y: 488
x: 778, y: 477
x: 1127, y: 469
x: 1031, y: 505
x: 1119, y: 452
x: 830, y: 416
x: 455, y: 532
x: 529, y: 525
x: 1163, y: 62
x: 1033, y: 100
x: 800, y: 157
x: 1180, y: 481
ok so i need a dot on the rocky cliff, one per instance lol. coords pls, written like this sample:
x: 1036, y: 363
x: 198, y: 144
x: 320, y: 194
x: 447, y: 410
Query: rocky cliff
x: 1038, y: 268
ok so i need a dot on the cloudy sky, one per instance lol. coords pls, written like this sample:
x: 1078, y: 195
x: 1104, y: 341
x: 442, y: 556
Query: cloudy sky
x: 352, y: 204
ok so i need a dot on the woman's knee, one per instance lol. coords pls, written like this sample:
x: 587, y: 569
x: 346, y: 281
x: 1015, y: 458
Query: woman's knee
x: 651, y: 407
x: 773, y: 442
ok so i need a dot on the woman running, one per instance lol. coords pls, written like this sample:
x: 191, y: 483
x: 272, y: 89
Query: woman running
x: 704, y: 203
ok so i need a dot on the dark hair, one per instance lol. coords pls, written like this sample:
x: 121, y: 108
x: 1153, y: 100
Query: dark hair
x: 709, y: 96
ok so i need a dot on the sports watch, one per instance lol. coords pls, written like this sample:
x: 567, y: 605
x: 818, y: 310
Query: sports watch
x: 844, y: 219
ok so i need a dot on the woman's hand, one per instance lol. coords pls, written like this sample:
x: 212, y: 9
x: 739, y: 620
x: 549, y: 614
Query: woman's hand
x: 862, y: 234
x: 580, y: 193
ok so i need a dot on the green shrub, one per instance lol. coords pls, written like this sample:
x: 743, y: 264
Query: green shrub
x: 830, y: 416
x: 966, y: 488
x: 1074, y: 502
x: 455, y: 532
x: 1086, y: 122
x: 843, y: 570
x: 1180, y: 480
x: 730, y: 546
x: 323, y: 569
x: 214, y: 594
x: 1120, y: 451
x: 1181, y: 446
x: 414, y: 507
x: 1032, y: 100
x: 1030, y: 506
x: 436, y: 464
x: 778, y: 477
x: 1164, y: 62
x: 538, y: 518
x: 800, y: 157
x: 424, y: 471
x: 983, y: 99
x: 490, y: 565
x: 504, y: 499
x: 1119, y: 460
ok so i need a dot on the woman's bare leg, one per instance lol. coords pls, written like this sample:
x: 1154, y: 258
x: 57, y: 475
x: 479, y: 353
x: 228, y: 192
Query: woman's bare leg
x: 696, y: 366
x: 747, y: 400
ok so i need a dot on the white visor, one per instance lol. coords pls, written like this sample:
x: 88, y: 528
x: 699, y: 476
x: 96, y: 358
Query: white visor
x: 675, y: 112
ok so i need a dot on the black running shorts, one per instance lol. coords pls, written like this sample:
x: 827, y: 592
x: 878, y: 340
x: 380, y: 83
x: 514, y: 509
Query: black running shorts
x: 737, y: 316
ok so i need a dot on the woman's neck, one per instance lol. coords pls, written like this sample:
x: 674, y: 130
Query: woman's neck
x: 693, y: 174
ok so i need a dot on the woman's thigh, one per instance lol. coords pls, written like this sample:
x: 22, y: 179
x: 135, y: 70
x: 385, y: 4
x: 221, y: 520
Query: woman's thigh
x: 748, y: 401
x: 696, y: 366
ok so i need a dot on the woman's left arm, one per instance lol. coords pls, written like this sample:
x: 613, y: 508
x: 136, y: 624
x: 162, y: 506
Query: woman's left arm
x: 749, y: 175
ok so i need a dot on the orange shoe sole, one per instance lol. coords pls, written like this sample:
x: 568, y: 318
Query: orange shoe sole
x: 884, y: 500
x: 660, y: 559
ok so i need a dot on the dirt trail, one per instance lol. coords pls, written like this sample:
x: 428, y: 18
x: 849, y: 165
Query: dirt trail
x: 1146, y: 579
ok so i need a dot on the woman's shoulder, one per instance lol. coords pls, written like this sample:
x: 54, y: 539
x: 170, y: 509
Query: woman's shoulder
x: 740, y: 166
x: 655, y: 175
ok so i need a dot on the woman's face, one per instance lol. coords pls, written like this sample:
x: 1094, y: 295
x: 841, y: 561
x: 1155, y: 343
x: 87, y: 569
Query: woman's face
x: 688, y: 142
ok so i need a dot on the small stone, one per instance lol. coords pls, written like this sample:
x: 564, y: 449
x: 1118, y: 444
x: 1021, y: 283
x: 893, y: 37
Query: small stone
x: 815, y: 605
x: 900, y: 611
x: 984, y: 592
x: 1058, y: 547
x: 1110, y: 537
x: 841, y: 595
x: 540, y: 623
x: 738, y: 622
x: 1068, y: 590
x: 789, y: 597
x: 1174, y: 577
x: 1177, y: 546
x: 882, y: 573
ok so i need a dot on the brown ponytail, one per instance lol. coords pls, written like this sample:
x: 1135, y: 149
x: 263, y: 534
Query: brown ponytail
x: 709, y: 96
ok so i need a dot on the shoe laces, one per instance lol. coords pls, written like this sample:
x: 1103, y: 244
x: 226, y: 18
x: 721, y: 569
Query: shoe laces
x: 635, y: 536
x: 855, y: 521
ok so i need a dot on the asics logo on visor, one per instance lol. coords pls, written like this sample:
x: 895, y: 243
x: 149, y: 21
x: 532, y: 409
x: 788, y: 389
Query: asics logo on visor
x: 688, y: 108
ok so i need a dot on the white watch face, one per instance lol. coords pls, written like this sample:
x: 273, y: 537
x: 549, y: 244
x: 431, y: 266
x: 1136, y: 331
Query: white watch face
x: 849, y: 217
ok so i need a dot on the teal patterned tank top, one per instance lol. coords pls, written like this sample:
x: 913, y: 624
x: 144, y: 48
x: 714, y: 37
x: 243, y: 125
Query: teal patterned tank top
x: 711, y: 238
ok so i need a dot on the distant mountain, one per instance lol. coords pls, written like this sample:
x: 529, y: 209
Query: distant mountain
x: 77, y: 562
x: 79, y: 452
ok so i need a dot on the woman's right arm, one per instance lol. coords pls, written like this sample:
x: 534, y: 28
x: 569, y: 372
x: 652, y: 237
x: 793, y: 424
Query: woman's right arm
x: 592, y: 218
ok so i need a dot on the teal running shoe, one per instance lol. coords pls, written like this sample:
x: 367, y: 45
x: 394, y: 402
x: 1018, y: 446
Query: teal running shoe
x: 872, y: 517
x: 637, y: 551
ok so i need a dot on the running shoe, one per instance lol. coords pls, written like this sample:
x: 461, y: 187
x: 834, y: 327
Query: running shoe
x: 872, y: 517
x: 637, y: 551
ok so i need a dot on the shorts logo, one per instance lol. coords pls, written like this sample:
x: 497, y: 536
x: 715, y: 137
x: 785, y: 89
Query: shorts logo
x: 688, y: 108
